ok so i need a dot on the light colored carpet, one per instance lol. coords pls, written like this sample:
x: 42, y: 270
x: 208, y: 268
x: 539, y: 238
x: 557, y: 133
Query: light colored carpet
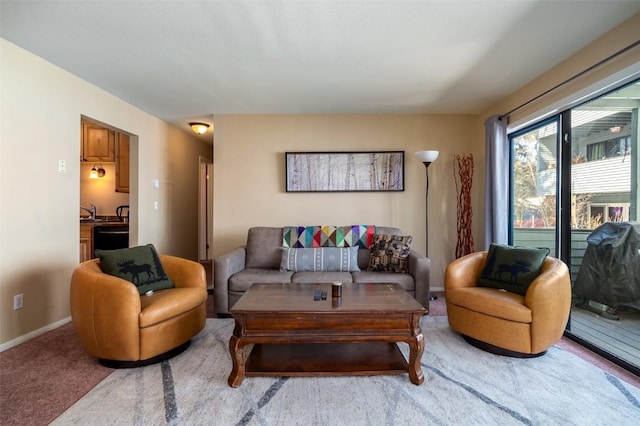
x: 463, y: 385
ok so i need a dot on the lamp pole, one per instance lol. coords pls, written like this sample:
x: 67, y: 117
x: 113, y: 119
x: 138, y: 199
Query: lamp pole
x: 426, y: 211
x: 427, y: 157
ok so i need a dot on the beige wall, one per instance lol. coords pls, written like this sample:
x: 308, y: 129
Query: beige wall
x: 249, y: 176
x: 249, y: 159
x: 41, y: 106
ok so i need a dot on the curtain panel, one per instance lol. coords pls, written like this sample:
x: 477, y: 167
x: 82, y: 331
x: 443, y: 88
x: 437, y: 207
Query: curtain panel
x: 496, y: 202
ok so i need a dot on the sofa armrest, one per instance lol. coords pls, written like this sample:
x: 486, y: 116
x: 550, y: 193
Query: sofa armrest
x: 105, y: 312
x: 184, y: 272
x: 224, y: 266
x: 420, y: 270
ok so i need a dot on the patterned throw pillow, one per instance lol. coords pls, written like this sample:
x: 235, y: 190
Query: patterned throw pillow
x: 320, y: 259
x: 512, y: 268
x: 328, y: 236
x: 390, y: 253
x: 138, y: 265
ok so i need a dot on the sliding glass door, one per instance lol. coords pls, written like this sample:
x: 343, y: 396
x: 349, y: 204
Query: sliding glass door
x: 574, y: 189
x: 534, y: 186
x: 605, y: 246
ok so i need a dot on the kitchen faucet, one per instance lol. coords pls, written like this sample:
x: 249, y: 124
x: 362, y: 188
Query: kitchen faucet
x: 91, y: 211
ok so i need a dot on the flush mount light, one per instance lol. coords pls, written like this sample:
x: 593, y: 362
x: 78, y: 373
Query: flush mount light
x: 615, y: 129
x: 199, y: 128
x: 97, y: 172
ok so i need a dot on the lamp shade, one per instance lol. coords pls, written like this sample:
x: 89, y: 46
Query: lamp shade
x: 199, y: 128
x: 427, y: 156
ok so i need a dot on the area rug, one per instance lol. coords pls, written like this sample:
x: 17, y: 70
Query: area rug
x: 463, y: 385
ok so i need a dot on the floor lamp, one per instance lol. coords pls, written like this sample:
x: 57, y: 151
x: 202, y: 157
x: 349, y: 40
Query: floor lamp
x: 427, y: 157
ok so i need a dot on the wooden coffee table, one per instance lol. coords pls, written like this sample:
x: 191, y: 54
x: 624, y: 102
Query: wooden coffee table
x: 281, y: 331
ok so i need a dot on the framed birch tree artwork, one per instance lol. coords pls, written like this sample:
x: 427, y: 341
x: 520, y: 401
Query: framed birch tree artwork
x: 344, y: 171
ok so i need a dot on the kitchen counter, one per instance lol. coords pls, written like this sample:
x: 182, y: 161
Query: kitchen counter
x: 102, y: 221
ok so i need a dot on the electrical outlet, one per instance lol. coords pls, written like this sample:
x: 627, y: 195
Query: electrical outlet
x: 17, y: 301
x: 62, y: 166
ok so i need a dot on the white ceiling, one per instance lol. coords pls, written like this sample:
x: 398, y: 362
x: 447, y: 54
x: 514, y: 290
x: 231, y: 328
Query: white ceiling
x: 188, y: 60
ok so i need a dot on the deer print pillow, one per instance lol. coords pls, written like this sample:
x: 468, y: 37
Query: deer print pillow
x: 138, y: 265
x: 512, y: 268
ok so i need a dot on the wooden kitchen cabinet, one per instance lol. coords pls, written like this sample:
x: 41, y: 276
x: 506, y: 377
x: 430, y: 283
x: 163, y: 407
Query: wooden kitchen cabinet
x: 122, y: 162
x: 86, y: 242
x: 98, y: 143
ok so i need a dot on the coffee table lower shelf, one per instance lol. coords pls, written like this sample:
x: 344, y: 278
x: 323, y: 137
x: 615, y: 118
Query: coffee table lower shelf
x: 325, y: 359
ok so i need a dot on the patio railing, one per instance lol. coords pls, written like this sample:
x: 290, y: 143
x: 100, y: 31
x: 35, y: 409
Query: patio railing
x: 545, y: 237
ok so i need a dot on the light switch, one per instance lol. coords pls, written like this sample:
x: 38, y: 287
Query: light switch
x: 156, y: 205
x: 156, y: 183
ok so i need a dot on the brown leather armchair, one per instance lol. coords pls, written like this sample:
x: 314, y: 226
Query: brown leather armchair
x: 503, y: 322
x: 124, y: 329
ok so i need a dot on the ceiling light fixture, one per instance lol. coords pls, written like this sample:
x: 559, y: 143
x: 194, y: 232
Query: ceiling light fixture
x: 199, y: 128
x: 615, y: 129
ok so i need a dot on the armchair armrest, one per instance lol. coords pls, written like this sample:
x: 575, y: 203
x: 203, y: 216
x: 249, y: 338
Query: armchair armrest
x: 105, y: 311
x: 549, y: 298
x: 224, y: 266
x: 465, y: 271
x: 420, y: 270
x: 184, y: 272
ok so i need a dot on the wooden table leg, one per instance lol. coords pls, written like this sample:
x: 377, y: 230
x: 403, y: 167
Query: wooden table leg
x: 416, y: 348
x: 239, y: 358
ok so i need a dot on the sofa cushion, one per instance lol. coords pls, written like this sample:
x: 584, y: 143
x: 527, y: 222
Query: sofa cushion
x: 328, y: 236
x: 241, y: 281
x: 405, y: 280
x: 320, y: 259
x: 263, y: 247
x: 321, y: 277
x: 390, y: 253
x: 138, y: 265
x: 512, y: 268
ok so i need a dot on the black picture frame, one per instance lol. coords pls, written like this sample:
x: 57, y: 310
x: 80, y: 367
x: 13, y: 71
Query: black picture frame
x: 344, y: 171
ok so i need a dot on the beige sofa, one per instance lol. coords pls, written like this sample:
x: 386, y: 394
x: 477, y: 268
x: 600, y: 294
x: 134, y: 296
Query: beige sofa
x: 259, y: 262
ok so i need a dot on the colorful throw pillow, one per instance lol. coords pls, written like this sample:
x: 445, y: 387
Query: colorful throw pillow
x: 138, y: 265
x: 328, y: 236
x: 512, y: 268
x: 390, y: 253
x: 323, y: 259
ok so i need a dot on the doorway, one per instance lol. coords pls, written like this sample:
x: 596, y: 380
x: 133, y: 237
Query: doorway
x: 107, y: 184
x: 205, y: 210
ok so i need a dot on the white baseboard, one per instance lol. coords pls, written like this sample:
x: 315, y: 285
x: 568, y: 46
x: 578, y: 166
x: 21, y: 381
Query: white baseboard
x: 437, y: 289
x: 33, y: 334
